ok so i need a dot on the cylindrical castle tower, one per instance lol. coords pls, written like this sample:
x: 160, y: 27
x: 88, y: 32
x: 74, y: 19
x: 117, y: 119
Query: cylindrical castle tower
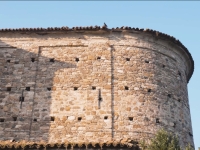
x: 93, y: 85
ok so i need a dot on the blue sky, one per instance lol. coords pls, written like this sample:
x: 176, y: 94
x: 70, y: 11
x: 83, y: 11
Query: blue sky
x: 179, y: 19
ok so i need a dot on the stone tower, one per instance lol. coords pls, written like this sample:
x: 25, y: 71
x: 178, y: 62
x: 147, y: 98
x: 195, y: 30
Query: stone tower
x: 93, y: 84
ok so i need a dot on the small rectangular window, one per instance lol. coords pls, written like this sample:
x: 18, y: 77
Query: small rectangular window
x: 126, y: 88
x: 130, y: 118
x: 52, y: 60
x: 8, y: 88
x: 149, y: 90
x: 33, y: 59
x: 52, y: 118
x: 28, y: 88
x: 77, y: 59
x: 98, y: 57
x: 49, y: 89
x: 14, y: 118
x: 79, y: 118
x: 2, y: 119
x: 169, y: 95
x: 105, y: 117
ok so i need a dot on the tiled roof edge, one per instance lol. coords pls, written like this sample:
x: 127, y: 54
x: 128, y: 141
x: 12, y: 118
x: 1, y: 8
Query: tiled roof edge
x: 97, y: 28
x: 42, y: 144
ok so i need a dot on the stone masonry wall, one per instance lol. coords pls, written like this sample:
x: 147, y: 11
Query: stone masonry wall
x: 92, y: 86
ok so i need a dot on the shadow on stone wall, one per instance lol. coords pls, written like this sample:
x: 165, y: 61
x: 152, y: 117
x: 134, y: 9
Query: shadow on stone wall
x: 31, y: 76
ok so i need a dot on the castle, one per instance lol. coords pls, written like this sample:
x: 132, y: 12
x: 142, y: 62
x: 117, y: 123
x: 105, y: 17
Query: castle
x: 92, y: 85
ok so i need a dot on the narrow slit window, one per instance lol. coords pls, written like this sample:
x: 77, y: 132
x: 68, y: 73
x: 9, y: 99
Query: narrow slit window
x: 169, y: 95
x: 79, y: 118
x: 75, y: 88
x: 179, y: 73
x: 105, y: 117
x: 33, y: 59
x: 157, y: 120
x: 149, y: 90
x: 127, y: 59
x: 28, y: 88
x: 2, y: 119
x: 52, y: 118
x: 52, y: 60
x: 8, y: 88
x: 93, y: 87
x: 77, y: 59
x: 14, y: 118
x: 130, y: 118
x: 126, y: 88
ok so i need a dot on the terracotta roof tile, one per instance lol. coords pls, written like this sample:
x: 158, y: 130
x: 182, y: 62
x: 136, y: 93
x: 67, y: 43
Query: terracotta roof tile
x: 42, y: 144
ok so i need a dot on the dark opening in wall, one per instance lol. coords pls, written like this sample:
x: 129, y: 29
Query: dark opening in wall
x: 8, y: 61
x: 157, y: 120
x: 105, y: 117
x: 169, y: 95
x: 79, y: 118
x: 35, y: 120
x: 190, y: 134
x: 146, y: 61
x: 75, y: 88
x: 174, y: 125
x: 179, y: 100
x: 28, y: 88
x: 8, y: 88
x: 49, y: 89
x: 2, y: 119
x: 126, y: 88
x: 33, y: 59
x: 76, y: 59
x: 127, y: 59
x: 163, y: 66
x: 98, y: 57
x: 14, y: 118
x: 52, y: 60
x: 52, y: 118
x: 130, y: 118
x: 93, y: 87
x: 149, y: 90
x: 179, y: 73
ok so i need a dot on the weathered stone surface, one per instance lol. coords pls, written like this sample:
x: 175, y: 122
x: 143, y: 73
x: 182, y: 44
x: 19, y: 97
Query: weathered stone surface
x: 125, y: 85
